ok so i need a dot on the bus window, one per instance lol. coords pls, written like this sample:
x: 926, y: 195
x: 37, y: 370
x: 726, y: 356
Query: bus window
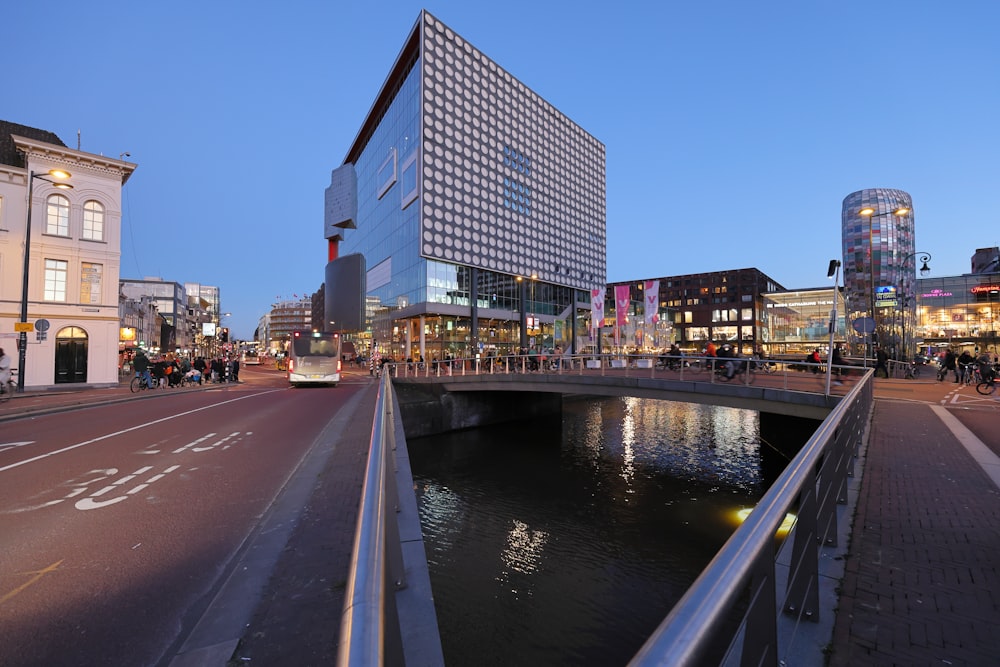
x: 314, y: 358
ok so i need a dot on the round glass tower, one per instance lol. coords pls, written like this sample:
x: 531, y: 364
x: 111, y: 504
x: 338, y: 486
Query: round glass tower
x: 879, y: 272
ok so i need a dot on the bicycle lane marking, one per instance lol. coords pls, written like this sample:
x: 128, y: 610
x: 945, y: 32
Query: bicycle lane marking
x: 129, y: 430
x: 983, y: 455
x: 89, y: 503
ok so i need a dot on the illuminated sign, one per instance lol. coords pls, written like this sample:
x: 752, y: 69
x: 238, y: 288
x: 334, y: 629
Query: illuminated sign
x: 979, y: 289
x: 885, y: 296
x: 933, y: 294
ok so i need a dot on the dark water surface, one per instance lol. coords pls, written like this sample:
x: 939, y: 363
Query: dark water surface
x: 566, y: 542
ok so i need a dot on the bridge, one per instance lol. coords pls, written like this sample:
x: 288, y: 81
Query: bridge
x: 389, y: 610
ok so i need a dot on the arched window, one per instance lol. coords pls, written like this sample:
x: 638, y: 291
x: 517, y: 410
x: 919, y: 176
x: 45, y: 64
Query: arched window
x: 57, y: 216
x: 93, y: 221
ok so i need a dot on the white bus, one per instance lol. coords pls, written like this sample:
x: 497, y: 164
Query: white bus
x: 314, y: 358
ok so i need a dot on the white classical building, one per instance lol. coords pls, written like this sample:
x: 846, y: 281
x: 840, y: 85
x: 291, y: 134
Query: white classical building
x: 74, y: 258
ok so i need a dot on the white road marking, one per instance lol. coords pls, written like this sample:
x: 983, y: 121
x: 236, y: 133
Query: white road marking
x: 12, y: 445
x: 91, y: 504
x: 41, y: 457
x: 192, y: 444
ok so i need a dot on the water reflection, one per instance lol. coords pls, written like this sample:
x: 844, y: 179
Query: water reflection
x: 567, y: 541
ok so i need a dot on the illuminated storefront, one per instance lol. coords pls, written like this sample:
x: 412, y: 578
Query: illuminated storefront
x: 798, y: 321
x: 961, y: 311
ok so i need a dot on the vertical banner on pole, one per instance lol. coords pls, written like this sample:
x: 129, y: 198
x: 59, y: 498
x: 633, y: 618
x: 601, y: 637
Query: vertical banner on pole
x: 651, y: 304
x: 622, y: 301
x: 596, y: 312
x: 652, y: 301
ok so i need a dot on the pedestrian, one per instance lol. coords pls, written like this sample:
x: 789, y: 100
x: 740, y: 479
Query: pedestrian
x: 236, y: 369
x: 814, y: 359
x: 950, y: 365
x: 837, y: 362
x: 881, y: 362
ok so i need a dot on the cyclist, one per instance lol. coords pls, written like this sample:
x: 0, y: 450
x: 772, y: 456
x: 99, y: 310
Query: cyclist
x: 4, y: 368
x: 141, y: 366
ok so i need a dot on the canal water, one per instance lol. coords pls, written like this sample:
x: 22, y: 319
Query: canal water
x: 566, y: 541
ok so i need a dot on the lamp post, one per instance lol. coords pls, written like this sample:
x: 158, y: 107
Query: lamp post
x: 832, y: 272
x: 22, y: 351
x: 924, y: 257
x: 869, y: 212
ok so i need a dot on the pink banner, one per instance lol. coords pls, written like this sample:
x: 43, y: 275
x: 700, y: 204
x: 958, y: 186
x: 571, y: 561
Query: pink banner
x: 596, y: 311
x: 622, y: 301
x: 652, y: 301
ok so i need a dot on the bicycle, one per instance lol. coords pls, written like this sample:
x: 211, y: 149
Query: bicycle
x: 139, y: 383
x: 912, y: 372
x: 970, y: 374
x: 743, y: 370
x: 989, y: 382
x: 8, y: 388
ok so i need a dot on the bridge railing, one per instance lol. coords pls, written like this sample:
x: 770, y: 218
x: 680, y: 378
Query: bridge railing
x: 687, y: 368
x: 388, y: 586
x: 745, y: 572
x: 779, y: 598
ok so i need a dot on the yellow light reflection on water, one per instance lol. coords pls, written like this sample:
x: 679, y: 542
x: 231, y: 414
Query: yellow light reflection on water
x: 739, y: 516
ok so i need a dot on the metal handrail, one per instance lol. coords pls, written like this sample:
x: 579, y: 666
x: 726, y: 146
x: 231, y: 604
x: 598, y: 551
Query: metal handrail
x: 376, y: 557
x: 694, y: 625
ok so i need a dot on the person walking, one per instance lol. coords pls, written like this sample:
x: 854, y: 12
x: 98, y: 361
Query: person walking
x: 950, y: 365
x: 881, y: 362
x: 837, y: 361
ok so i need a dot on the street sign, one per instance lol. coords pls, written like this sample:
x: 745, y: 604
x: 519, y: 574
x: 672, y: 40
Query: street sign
x: 42, y: 325
x: 864, y: 325
x: 24, y: 327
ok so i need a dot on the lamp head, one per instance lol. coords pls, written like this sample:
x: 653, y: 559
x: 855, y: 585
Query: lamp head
x: 834, y: 265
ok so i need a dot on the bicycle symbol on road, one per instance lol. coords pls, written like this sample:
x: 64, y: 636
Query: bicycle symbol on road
x: 115, y: 490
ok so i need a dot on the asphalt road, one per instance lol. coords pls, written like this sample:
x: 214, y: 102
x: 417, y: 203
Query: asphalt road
x: 118, y: 520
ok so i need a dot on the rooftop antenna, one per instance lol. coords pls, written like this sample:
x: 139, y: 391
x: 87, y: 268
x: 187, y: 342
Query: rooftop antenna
x: 78, y: 140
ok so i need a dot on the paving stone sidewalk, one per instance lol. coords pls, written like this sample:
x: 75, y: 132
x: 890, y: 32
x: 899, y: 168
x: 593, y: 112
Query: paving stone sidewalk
x: 922, y: 580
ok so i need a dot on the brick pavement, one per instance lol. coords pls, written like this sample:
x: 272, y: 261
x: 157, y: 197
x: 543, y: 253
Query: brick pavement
x: 922, y: 578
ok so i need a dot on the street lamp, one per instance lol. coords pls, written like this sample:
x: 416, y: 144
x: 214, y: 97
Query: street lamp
x: 869, y: 212
x: 23, y: 337
x: 924, y: 257
x: 832, y: 272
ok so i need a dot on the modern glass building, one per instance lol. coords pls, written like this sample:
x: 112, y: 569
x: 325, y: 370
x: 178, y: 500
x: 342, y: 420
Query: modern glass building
x: 879, y: 265
x: 478, y: 207
x: 962, y: 312
x: 798, y: 321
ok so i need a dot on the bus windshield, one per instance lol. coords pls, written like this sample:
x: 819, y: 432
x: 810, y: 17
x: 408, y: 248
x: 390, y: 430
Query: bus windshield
x: 315, y: 345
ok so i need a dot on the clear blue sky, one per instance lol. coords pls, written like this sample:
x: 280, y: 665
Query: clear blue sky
x: 733, y: 129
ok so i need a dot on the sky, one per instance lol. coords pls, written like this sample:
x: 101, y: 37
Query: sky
x: 733, y: 129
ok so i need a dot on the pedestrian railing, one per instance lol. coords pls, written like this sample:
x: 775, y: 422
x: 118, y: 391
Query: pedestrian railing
x: 370, y: 628
x: 812, y: 487
x: 687, y: 369
x: 744, y: 575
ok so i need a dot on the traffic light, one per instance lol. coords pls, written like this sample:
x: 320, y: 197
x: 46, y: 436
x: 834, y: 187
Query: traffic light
x: 225, y: 335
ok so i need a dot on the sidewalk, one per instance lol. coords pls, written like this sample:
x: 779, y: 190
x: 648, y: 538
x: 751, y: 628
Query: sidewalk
x: 922, y: 577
